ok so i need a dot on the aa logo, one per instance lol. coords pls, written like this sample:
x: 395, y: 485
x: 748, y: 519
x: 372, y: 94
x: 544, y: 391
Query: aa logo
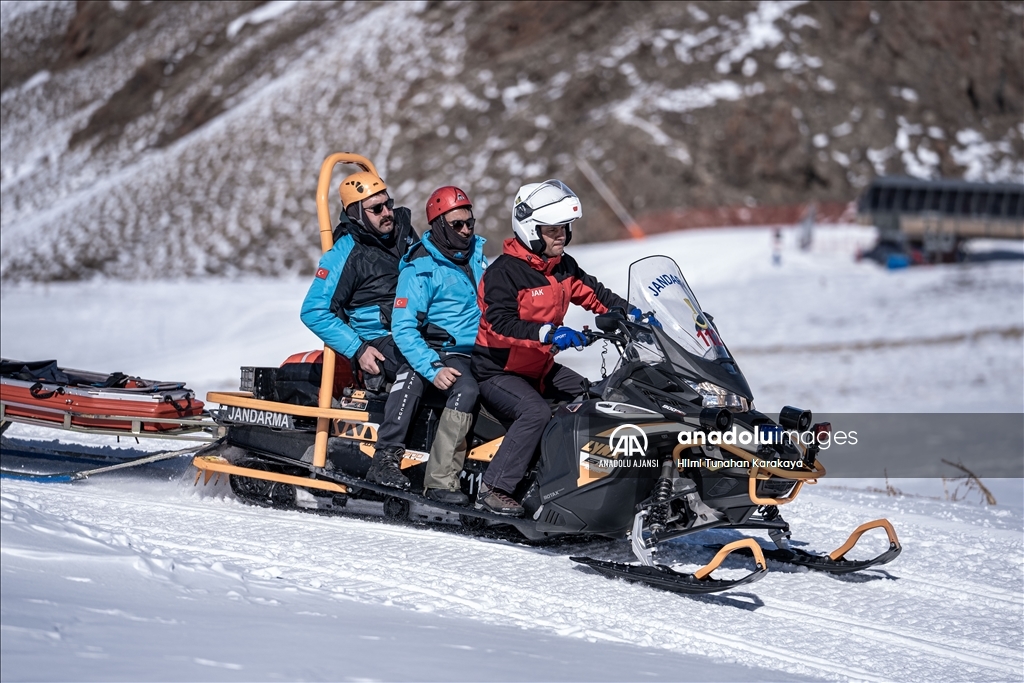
x: 628, y: 441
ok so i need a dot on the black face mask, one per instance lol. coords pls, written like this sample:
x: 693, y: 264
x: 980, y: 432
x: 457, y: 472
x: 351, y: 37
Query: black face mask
x: 356, y: 212
x: 453, y: 245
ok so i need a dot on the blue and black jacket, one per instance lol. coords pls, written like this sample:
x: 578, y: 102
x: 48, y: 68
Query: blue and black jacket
x: 435, y: 305
x: 349, y: 302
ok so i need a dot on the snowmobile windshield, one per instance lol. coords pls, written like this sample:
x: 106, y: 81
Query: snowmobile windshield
x: 656, y: 285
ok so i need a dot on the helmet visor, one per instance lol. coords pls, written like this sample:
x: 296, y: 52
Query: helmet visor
x: 551, y: 203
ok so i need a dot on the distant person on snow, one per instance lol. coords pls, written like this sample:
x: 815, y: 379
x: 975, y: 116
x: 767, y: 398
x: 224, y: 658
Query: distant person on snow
x: 523, y: 298
x: 350, y: 301
x: 434, y: 325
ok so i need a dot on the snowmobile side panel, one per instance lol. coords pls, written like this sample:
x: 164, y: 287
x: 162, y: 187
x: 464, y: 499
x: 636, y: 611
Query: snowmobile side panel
x: 604, y: 508
x: 290, y: 444
x: 554, y: 517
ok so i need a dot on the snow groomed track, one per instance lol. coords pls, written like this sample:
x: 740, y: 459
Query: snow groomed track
x: 949, y: 609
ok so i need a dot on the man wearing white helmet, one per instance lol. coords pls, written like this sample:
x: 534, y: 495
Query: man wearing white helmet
x: 523, y: 298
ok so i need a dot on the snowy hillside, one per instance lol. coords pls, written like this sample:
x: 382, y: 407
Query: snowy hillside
x: 147, y: 140
x: 141, y: 575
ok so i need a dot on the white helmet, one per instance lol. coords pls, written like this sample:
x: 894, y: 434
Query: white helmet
x: 547, y: 203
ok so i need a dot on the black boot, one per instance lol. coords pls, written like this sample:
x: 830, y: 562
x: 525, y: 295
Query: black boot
x: 446, y: 496
x: 386, y: 468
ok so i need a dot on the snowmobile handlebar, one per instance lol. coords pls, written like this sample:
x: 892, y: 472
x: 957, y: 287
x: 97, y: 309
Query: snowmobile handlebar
x: 591, y: 336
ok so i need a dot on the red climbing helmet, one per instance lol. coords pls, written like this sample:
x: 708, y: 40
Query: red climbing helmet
x: 445, y: 199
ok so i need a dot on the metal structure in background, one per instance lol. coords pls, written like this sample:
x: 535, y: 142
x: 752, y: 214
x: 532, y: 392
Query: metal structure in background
x: 929, y: 219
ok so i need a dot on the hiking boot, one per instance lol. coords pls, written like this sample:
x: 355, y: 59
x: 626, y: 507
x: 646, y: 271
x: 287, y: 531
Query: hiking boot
x: 386, y: 468
x: 498, y: 502
x: 446, y: 496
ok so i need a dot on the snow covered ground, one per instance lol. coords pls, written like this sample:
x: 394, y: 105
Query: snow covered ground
x: 141, y: 575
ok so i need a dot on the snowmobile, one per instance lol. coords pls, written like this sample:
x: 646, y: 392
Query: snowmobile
x: 667, y: 444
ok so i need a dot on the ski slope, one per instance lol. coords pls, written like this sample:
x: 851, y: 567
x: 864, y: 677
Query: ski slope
x: 142, y: 575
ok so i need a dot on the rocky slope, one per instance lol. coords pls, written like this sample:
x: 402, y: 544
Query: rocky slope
x: 171, y: 139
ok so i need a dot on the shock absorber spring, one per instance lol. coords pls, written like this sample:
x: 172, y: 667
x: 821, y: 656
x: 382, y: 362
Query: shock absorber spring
x: 662, y: 492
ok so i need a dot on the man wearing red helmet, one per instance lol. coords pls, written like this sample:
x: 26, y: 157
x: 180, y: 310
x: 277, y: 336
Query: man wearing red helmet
x: 434, y: 324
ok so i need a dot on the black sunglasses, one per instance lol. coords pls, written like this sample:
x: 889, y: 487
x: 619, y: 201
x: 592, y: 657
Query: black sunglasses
x: 379, y: 208
x: 459, y: 225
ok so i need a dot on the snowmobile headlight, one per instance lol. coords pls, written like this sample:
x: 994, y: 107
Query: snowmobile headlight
x: 714, y: 396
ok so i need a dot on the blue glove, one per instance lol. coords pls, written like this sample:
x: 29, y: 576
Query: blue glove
x: 565, y: 337
x: 636, y: 316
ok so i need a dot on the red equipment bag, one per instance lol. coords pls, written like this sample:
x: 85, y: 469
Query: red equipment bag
x: 297, y: 381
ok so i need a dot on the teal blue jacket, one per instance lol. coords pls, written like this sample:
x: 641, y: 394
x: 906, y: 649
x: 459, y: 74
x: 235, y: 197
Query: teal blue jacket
x: 435, y: 305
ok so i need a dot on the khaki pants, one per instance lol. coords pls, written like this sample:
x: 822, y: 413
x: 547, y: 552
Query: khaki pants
x: 448, y: 452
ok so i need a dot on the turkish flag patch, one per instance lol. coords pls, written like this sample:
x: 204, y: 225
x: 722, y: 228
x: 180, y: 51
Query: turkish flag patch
x: 401, y: 302
x: 322, y: 273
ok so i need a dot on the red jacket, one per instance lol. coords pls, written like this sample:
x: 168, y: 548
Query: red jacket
x: 519, y: 294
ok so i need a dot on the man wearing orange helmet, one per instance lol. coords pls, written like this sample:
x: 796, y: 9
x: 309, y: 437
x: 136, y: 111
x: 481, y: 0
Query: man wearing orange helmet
x: 350, y: 301
x: 434, y: 325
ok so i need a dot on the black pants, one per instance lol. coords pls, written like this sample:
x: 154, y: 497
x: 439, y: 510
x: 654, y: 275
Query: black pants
x: 514, y: 398
x: 407, y: 390
x: 400, y: 408
x: 463, y: 394
x: 390, y: 366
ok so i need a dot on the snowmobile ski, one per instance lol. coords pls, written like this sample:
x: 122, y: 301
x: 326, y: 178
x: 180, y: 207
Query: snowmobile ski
x: 700, y: 581
x: 836, y: 562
